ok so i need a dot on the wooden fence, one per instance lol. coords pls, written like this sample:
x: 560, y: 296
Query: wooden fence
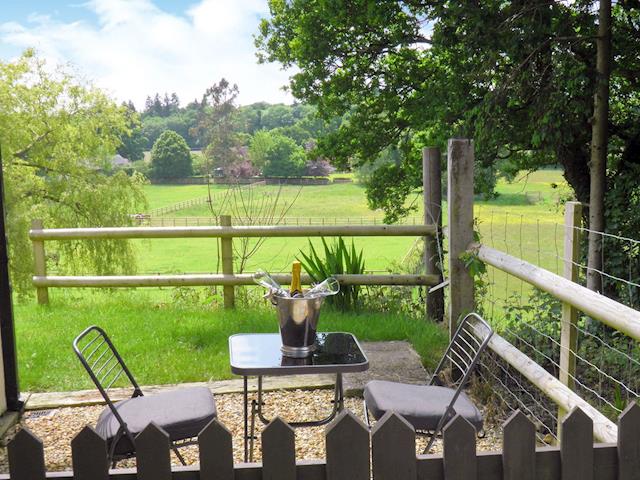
x: 226, y: 233
x: 354, y: 453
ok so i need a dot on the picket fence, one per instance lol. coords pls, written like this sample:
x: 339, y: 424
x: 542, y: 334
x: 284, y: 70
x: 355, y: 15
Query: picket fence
x: 354, y: 453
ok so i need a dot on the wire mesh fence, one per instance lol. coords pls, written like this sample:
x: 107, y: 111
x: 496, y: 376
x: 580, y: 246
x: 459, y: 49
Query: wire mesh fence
x: 607, y: 372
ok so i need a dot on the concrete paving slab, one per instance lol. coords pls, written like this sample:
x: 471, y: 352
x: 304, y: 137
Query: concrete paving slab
x: 394, y: 361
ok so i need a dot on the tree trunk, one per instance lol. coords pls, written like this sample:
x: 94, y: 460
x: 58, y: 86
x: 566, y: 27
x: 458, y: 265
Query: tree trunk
x: 599, y: 139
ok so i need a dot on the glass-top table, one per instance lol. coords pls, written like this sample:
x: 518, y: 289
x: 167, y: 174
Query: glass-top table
x: 259, y: 354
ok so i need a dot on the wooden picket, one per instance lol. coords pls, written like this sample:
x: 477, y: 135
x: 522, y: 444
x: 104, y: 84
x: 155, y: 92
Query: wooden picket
x: 216, y: 452
x: 392, y: 447
x: 348, y: 449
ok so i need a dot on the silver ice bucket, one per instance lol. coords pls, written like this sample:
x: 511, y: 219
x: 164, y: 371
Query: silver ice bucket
x: 298, y: 319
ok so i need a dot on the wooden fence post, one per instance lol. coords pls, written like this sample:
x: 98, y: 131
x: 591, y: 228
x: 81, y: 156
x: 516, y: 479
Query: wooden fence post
x: 432, y: 187
x: 460, y: 204
x: 226, y: 248
x: 39, y: 263
x: 568, y: 332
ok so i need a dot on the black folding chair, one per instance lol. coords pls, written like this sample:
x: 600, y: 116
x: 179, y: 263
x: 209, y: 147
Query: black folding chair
x: 182, y: 413
x: 429, y: 407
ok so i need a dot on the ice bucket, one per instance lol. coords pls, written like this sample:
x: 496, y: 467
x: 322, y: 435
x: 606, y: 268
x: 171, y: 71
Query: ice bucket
x: 298, y: 320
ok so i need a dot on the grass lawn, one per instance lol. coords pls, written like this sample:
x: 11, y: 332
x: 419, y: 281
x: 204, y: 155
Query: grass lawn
x: 164, y: 343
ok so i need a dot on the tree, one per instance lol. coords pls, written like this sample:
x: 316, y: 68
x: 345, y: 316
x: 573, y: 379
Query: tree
x: 599, y: 134
x: 133, y: 142
x: 171, y: 157
x: 258, y: 147
x: 216, y: 127
x: 517, y: 76
x: 277, y: 116
x: 284, y: 158
x: 57, y: 136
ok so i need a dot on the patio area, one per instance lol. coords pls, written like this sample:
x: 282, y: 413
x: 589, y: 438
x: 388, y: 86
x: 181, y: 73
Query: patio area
x: 57, y: 417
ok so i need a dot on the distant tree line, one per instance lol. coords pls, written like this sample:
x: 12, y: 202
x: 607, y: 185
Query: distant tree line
x: 241, y: 141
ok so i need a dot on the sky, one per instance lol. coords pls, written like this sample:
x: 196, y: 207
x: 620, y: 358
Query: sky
x: 135, y: 48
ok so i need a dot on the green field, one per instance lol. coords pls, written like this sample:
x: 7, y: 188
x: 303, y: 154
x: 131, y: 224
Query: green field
x: 526, y: 209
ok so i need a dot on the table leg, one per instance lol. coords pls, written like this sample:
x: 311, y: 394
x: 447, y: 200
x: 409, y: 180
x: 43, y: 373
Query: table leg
x: 339, y: 393
x: 246, y: 418
x: 256, y: 409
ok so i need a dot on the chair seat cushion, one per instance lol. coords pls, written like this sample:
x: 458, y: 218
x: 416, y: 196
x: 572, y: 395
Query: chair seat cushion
x: 420, y: 405
x: 182, y: 413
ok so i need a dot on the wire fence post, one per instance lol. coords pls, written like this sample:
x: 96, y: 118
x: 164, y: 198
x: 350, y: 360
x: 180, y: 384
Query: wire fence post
x: 40, y: 263
x: 226, y: 247
x: 568, y: 332
x: 432, y: 187
x: 460, y: 158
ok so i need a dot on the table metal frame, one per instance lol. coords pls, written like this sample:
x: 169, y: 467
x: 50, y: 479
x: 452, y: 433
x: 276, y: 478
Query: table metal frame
x: 256, y: 411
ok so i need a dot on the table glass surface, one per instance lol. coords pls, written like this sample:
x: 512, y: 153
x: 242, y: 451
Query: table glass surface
x: 260, y: 354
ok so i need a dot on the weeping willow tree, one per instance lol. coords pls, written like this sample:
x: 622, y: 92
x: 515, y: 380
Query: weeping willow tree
x: 57, y: 136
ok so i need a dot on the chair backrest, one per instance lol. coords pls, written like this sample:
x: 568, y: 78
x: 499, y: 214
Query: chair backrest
x: 463, y: 353
x: 102, y: 361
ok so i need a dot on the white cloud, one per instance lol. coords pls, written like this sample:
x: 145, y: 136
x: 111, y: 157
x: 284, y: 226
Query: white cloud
x: 135, y: 49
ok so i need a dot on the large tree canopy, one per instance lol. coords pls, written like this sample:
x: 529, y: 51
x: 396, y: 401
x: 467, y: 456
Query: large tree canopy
x: 57, y: 137
x: 518, y: 76
x: 171, y: 157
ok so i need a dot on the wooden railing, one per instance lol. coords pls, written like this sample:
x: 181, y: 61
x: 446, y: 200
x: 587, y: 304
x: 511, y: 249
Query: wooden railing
x: 354, y: 453
x: 190, y: 221
x: 226, y: 233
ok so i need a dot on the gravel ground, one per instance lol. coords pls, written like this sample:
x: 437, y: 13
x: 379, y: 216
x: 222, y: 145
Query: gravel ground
x: 58, y: 427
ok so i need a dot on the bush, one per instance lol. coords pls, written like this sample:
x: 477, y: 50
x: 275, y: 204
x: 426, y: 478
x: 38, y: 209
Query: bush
x: 170, y: 157
x: 241, y: 169
x: 284, y: 158
x: 319, y: 168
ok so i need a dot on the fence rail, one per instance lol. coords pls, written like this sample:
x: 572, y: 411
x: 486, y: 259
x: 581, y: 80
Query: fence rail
x: 160, y: 221
x: 156, y: 212
x: 111, y: 233
x: 354, y: 453
x: 226, y: 233
x: 194, y: 280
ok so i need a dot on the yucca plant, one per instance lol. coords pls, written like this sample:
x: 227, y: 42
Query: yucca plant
x: 338, y: 259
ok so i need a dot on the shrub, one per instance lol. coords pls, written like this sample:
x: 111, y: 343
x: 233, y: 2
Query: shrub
x: 319, y: 168
x: 338, y: 259
x: 284, y: 158
x: 171, y: 157
x: 240, y: 169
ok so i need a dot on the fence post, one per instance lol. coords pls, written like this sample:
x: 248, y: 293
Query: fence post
x: 39, y: 263
x: 568, y: 332
x: 432, y: 186
x: 460, y: 158
x: 226, y: 248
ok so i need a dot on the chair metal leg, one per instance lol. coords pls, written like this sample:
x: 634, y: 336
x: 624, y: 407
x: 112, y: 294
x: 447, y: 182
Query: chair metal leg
x: 366, y: 413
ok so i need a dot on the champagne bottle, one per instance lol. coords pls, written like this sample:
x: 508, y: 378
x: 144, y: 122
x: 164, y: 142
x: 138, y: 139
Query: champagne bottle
x: 296, y: 288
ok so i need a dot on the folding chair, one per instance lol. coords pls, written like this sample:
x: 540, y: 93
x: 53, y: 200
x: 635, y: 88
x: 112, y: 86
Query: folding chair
x: 182, y: 413
x: 429, y: 407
